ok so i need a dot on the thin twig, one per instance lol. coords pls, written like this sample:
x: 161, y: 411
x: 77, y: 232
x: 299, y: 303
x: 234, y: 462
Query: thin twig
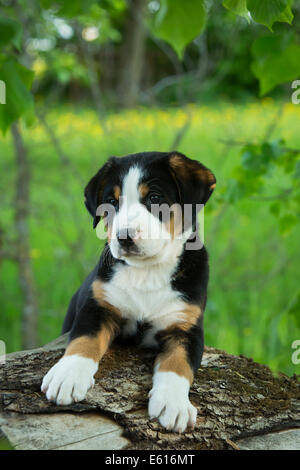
x: 274, y: 123
x: 232, y: 444
x: 182, y: 131
x: 240, y: 143
x: 64, y: 158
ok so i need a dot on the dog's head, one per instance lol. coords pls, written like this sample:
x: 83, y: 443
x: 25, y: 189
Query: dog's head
x: 149, y: 201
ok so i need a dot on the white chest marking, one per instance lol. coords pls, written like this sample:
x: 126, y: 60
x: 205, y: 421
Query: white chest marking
x: 146, y: 294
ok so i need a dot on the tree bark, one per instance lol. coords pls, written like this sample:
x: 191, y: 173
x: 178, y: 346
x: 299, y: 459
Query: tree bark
x: 133, y: 53
x: 29, y: 323
x: 235, y: 397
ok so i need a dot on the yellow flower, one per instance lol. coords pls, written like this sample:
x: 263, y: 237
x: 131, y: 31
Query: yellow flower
x: 39, y: 67
x: 35, y: 253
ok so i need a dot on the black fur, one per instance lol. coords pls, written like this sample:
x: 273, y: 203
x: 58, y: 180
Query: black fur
x: 190, y: 279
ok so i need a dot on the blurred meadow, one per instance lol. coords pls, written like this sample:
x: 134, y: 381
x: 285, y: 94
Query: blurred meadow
x: 252, y: 228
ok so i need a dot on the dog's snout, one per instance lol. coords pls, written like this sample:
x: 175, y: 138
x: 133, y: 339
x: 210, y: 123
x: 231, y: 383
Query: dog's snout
x: 125, y: 238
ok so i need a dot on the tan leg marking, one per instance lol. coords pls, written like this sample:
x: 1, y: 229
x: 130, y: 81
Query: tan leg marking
x: 91, y: 347
x: 94, y: 347
x: 174, y: 359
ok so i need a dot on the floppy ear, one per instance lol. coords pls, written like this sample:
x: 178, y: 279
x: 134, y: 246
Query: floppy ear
x: 94, y: 189
x: 195, y: 181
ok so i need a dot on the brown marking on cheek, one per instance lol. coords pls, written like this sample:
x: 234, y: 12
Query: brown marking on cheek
x: 170, y: 226
x: 91, y: 347
x: 117, y: 192
x: 143, y: 190
x: 174, y: 359
x: 174, y: 224
x: 212, y: 187
x: 99, y: 296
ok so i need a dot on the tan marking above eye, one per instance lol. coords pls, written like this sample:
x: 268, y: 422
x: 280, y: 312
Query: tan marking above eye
x: 117, y: 192
x: 143, y: 190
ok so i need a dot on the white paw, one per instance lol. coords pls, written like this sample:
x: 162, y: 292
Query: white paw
x: 169, y: 402
x: 69, y: 379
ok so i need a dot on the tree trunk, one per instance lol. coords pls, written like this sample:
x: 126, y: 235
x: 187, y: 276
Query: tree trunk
x: 30, y: 312
x: 133, y: 53
x: 236, y: 399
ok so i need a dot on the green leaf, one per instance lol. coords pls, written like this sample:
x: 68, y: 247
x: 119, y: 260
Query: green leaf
x: 69, y: 8
x: 294, y: 309
x: 297, y: 170
x: 19, y: 100
x: 251, y: 158
x: 286, y: 16
x: 287, y: 223
x: 239, y: 7
x: 10, y: 32
x: 266, y: 12
x: 178, y: 22
x: 235, y: 191
x: 276, y: 60
x: 275, y: 208
x: 282, y: 328
x: 257, y: 158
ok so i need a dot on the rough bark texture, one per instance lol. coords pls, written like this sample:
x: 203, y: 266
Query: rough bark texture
x: 235, y: 397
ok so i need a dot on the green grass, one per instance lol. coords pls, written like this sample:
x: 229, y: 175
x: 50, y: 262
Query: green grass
x: 254, y: 270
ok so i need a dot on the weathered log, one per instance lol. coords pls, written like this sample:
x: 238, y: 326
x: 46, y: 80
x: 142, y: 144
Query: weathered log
x: 236, y: 398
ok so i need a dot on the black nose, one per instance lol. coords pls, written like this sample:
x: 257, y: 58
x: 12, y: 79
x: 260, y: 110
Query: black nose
x: 125, y: 238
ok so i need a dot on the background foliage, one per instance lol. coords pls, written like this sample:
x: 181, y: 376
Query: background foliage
x: 85, y: 80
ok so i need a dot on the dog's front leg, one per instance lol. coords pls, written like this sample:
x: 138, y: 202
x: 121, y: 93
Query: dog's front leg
x: 73, y: 375
x: 180, y: 357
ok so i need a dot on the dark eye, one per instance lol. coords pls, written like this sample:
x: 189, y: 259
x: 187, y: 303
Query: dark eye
x: 154, y: 198
x: 112, y: 201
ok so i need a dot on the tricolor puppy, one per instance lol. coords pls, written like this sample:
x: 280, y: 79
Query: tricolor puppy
x: 152, y: 272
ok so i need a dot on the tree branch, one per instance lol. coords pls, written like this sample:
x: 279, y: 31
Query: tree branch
x: 235, y: 397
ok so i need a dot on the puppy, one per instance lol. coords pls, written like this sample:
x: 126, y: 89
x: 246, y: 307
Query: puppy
x: 153, y: 272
